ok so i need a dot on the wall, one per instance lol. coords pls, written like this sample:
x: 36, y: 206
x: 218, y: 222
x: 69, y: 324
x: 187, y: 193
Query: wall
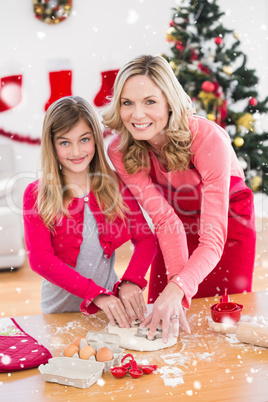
x: 98, y: 36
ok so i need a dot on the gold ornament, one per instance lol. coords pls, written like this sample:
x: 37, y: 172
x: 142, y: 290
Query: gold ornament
x: 236, y: 35
x: 211, y: 116
x: 170, y: 34
x: 227, y: 70
x: 206, y: 98
x: 239, y: 142
x: 173, y: 65
x: 255, y: 182
x: 246, y: 121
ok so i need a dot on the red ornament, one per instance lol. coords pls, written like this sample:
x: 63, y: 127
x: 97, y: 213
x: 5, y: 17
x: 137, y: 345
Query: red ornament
x: 218, y: 40
x: 179, y: 45
x: 172, y: 23
x: 208, y: 86
x: 253, y: 102
x: 204, y: 69
x: 194, y: 55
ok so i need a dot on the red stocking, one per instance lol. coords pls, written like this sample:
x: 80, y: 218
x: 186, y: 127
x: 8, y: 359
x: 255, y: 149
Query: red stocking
x: 108, y: 78
x: 60, y: 85
x: 10, y: 92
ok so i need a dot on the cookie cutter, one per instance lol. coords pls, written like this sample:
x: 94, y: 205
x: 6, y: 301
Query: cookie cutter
x: 131, y: 367
x: 143, y: 333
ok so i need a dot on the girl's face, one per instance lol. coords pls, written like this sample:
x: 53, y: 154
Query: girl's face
x: 144, y: 110
x: 75, y: 149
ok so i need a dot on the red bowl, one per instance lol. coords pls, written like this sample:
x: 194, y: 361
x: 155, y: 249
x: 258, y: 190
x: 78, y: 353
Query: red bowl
x: 227, y: 313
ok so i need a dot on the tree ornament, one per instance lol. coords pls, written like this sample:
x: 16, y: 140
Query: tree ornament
x: 255, y: 182
x: 253, y: 101
x: 170, y: 34
x: 10, y: 92
x: 227, y: 70
x: 239, y: 142
x: 60, y: 85
x: 246, y: 121
x: 218, y: 40
x: 208, y: 86
x: 172, y: 23
x: 236, y: 35
x: 179, y: 45
x: 211, y: 116
x: 108, y: 78
x: 52, y: 11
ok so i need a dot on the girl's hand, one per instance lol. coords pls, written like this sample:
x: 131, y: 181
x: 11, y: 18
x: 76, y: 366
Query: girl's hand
x: 167, y: 310
x: 132, y: 297
x: 114, y: 309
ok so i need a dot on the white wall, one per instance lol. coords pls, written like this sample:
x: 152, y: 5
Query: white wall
x: 99, y: 35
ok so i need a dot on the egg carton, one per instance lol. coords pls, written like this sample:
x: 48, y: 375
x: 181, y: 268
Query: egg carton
x: 98, y: 340
x: 73, y: 372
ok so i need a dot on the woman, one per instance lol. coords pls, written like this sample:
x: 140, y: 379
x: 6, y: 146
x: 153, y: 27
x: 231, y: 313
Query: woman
x: 77, y: 214
x: 183, y: 171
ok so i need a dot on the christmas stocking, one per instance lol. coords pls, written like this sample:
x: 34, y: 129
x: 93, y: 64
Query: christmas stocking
x: 108, y: 78
x: 60, y: 85
x: 10, y: 92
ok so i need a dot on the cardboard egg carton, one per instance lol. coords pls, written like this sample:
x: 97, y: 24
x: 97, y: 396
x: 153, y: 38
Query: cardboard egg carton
x: 98, y: 340
x: 73, y: 372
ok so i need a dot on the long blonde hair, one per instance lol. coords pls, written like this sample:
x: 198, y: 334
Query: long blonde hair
x: 179, y: 139
x: 62, y: 116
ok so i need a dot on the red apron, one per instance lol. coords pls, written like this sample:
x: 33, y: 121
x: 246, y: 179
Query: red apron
x: 235, y: 268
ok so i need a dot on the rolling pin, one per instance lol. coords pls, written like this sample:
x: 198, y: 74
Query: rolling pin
x: 245, y: 332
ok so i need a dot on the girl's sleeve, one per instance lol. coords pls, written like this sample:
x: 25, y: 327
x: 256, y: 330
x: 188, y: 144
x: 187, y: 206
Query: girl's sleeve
x: 43, y: 261
x: 143, y: 240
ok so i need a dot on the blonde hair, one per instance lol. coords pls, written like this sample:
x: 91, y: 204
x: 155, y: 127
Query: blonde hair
x: 52, y: 196
x: 179, y: 139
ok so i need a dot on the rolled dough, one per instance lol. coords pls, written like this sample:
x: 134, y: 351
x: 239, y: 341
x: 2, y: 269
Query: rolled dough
x: 132, y: 342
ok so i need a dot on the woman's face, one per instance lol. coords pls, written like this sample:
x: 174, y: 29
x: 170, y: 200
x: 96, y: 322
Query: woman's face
x: 75, y: 149
x: 144, y: 110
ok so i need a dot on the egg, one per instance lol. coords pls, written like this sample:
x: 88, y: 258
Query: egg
x: 104, y: 354
x: 77, y: 340
x: 86, y: 352
x: 70, y: 350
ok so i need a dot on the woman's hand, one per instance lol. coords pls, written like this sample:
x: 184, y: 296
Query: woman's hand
x: 167, y: 310
x: 132, y: 297
x: 114, y: 309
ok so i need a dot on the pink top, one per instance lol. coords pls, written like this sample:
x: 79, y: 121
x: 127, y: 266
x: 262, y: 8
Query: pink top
x: 215, y: 162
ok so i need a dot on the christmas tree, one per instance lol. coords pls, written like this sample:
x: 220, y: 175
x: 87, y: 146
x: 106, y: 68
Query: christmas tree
x: 213, y: 71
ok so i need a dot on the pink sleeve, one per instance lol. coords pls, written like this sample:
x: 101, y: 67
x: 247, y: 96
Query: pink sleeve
x: 212, y: 159
x: 43, y: 261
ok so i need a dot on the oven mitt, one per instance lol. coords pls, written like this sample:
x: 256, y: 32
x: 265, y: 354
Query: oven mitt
x: 18, y: 350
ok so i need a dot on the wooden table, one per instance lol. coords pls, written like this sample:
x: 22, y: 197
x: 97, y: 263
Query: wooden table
x: 203, y: 366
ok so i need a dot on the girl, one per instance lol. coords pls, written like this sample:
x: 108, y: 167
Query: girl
x: 184, y: 172
x: 75, y: 217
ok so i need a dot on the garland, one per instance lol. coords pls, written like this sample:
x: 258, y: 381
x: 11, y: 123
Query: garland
x: 20, y: 138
